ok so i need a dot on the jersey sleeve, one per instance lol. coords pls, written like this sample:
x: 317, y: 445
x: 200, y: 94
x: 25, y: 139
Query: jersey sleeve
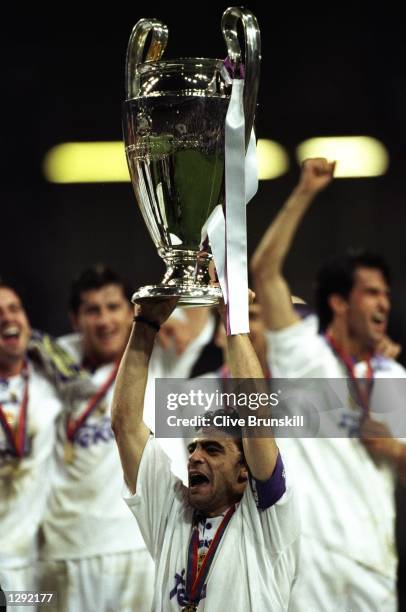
x: 271, y: 512
x: 296, y: 351
x: 158, y: 490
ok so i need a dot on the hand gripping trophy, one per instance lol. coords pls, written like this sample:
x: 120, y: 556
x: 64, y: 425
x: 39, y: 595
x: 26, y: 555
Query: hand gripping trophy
x: 174, y: 130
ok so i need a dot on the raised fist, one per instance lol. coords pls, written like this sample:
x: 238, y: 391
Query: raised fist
x: 316, y: 174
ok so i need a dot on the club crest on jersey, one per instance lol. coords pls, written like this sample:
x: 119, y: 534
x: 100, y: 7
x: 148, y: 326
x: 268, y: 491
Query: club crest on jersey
x: 350, y: 422
x: 92, y: 433
x: 179, y: 589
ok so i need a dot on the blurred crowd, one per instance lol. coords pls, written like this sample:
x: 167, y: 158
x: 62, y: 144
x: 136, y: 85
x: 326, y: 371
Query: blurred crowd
x: 64, y: 527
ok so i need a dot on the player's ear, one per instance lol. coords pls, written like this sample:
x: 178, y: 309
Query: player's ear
x: 243, y: 475
x: 73, y: 318
x: 338, y: 304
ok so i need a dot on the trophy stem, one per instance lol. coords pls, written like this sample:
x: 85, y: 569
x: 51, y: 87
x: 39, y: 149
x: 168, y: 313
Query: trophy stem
x: 187, y: 277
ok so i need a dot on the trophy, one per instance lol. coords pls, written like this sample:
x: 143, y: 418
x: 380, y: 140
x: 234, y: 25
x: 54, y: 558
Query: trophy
x: 174, y: 127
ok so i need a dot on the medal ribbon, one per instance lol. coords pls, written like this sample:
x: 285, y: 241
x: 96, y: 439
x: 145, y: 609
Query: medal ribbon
x: 17, y: 439
x: 195, y: 578
x: 362, y: 391
x: 73, y: 425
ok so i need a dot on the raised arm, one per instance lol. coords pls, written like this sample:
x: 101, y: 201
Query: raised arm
x: 128, y: 401
x: 267, y: 262
x: 260, y: 452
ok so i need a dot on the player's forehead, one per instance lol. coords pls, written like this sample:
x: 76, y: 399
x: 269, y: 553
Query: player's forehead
x: 8, y: 297
x: 103, y: 295
x: 370, y: 277
x: 213, y: 437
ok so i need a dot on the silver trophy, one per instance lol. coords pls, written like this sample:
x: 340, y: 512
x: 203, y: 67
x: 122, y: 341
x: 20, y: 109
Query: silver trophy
x: 174, y: 124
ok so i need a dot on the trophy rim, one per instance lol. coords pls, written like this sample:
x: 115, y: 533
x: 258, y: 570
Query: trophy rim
x: 189, y: 297
x: 177, y: 61
x: 150, y: 68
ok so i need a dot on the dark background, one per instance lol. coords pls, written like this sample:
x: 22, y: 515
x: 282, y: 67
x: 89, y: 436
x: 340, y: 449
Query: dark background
x: 331, y: 70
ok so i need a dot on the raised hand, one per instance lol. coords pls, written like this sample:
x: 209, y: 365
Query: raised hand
x: 157, y: 311
x: 316, y: 175
x: 388, y: 348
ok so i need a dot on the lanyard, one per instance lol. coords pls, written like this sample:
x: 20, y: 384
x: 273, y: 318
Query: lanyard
x: 196, y: 577
x: 362, y: 387
x: 73, y: 425
x: 18, y: 439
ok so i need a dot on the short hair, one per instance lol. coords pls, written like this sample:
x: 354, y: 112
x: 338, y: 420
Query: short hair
x: 4, y: 284
x: 96, y: 277
x: 336, y: 276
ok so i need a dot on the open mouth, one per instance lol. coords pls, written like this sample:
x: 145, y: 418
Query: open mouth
x: 379, y: 320
x: 196, y: 479
x: 10, y: 335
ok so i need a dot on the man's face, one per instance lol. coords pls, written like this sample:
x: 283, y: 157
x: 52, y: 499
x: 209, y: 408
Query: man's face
x: 217, y: 476
x: 104, y: 319
x: 368, y: 307
x: 15, y: 330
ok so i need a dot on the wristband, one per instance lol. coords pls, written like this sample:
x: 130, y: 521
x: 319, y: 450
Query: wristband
x: 152, y: 324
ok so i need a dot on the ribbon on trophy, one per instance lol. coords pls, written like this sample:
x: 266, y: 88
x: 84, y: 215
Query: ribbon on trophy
x: 228, y: 233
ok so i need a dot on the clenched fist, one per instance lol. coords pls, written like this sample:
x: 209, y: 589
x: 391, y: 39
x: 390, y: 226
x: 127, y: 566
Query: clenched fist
x: 316, y: 175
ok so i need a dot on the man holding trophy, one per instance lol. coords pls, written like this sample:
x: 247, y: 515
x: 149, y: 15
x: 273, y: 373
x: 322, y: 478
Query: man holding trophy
x: 187, y: 126
x: 235, y: 524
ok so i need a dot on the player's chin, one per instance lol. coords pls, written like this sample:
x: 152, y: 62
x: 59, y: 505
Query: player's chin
x: 199, y: 499
x: 377, y: 336
x: 109, y: 351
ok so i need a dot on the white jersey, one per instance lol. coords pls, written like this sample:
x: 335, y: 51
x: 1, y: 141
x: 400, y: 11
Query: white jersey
x: 24, y: 483
x: 346, y: 498
x: 255, y: 563
x: 86, y: 514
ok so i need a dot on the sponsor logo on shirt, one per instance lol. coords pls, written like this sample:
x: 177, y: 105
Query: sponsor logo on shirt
x: 96, y: 432
x: 350, y: 422
x: 179, y: 589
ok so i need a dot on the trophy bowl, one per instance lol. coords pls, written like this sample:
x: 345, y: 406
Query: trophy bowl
x: 174, y: 128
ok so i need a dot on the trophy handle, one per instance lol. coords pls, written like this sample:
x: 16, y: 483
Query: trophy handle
x: 135, y: 49
x: 252, y: 56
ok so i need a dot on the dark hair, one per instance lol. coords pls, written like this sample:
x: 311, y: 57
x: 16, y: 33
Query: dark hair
x: 336, y: 276
x: 95, y: 277
x: 4, y: 284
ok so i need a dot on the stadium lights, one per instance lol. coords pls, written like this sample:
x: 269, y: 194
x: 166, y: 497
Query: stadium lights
x: 100, y: 162
x: 356, y: 156
x: 273, y: 160
x: 86, y: 162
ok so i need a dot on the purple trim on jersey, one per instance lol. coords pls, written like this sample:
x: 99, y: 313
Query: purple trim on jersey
x: 268, y: 492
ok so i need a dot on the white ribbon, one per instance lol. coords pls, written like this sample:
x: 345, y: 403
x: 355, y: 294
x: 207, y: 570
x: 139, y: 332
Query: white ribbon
x: 236, y: 220
x: 228, y: 237
x: 215, y: 229
x: 251, y: 169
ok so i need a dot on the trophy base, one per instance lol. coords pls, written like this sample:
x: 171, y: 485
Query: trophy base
x: 189, y: 297
x: 187, y: 277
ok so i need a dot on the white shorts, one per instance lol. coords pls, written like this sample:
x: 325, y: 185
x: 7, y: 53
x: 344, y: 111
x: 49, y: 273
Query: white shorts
x: 331, y: 582
x: 19, y: 579
x: 122, y: 582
